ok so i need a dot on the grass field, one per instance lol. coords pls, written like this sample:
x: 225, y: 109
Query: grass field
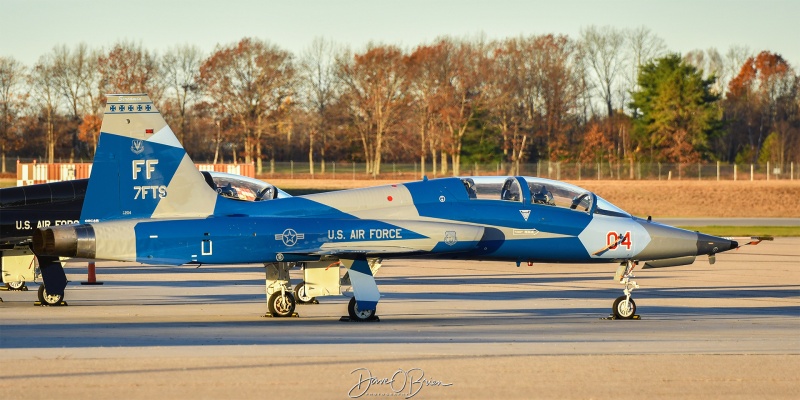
x: 728, y: 231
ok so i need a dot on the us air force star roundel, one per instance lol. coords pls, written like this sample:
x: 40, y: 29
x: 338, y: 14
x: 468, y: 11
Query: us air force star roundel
x: 290, y: 237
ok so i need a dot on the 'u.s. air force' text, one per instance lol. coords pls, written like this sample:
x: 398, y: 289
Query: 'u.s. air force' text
x: 144, y: 192
x: 356, y: 234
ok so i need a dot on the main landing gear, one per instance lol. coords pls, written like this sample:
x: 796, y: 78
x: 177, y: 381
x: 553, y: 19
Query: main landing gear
x: 624, y: 307
x: 48, y: 299
x: 357, y: 315
x: 302, y: 294
x: 16, y: 285
x: 321, y: 278
x: 280, y: 298
x: 281, y: 304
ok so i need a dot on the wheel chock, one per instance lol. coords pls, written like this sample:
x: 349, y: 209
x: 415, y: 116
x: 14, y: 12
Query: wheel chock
x: 268, y: 315
x: 61, y: 303
x: 613, y: 317
x: 24, y: 288
x: 373, y: 318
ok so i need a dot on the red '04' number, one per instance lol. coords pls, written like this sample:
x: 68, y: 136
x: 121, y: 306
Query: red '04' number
x: 613, y: 240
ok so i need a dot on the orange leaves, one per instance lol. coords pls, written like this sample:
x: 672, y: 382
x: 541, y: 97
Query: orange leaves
x: 128, y: 68
x: 596, y: 146
x: 375, y: 86
x: 757, y: 72
x: 89, y: 127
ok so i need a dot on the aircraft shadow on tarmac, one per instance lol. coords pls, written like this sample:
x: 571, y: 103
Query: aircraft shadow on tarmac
x: 569, y: 287
x: 534, y: 325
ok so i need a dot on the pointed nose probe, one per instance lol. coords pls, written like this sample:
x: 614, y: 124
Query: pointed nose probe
x: 709, y: 245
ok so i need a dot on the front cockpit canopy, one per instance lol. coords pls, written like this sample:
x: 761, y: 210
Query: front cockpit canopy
x: 540, y: 191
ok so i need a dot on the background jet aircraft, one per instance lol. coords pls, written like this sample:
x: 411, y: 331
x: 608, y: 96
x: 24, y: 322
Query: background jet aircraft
x: 25, y: 208
x: 146, y: 202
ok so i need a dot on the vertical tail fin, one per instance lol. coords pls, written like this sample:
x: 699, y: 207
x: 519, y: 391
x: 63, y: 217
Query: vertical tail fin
x: 140, y: 170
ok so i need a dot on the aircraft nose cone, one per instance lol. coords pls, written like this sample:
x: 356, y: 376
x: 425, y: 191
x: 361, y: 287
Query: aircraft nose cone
x: 707, y: 244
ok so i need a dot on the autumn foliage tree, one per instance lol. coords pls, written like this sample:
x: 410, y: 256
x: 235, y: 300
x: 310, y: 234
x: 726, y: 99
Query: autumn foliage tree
x: 533, y: 92
x: 440, y: 104
x: 12, y: 98
x: 180, y: 67
x: 597, y: 147
x: 375, y: 90
x: 763, y: 101
x: 430, y: 70
x: 250, y: 81
x: 319, y: 88
x: 89, y: 130
x: 129, y: 68
x: 46, y: 95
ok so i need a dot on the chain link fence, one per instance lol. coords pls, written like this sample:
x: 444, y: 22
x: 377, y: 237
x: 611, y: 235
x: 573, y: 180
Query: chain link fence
x: 544, y: 169
x: 551, y: 170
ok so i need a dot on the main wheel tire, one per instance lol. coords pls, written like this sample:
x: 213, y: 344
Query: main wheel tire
x: 356, y: 314
x: 624, y: 308
x: 17, y: 285
x: 281, y: 305
x: 300, y: 294
x: 47, y: 298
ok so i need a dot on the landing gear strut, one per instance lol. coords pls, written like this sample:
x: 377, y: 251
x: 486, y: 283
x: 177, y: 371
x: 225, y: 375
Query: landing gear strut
x: 624, y: 307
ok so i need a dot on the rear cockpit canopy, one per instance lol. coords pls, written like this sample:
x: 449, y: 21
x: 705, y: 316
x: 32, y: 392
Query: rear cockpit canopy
x: 538, y: 191
x: 240, y: 187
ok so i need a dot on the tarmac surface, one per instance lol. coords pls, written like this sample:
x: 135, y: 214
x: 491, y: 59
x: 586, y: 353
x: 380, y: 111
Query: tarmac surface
x: 447, y: 330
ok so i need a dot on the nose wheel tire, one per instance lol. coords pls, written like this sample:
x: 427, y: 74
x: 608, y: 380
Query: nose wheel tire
x: 47, y: 298
x: 300, y: 292
x: 281, y: 304
x: 624, y: 308
x: 356, y: 314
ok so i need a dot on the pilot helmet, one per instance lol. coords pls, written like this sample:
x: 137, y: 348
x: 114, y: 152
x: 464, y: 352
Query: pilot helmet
x: 228, y: 191
x: 542, y: 196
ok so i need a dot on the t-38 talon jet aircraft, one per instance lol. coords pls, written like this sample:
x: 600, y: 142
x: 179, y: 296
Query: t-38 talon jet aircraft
x: 146, y: 202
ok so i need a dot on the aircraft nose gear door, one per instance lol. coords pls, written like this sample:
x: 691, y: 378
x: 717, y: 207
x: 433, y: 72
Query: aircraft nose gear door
x: 365, y: 292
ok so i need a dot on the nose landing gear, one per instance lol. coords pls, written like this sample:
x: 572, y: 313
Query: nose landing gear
x: 624, y: 307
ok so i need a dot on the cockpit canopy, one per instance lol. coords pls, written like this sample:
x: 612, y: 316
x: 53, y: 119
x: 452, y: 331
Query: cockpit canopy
x: 239, y: 187
x: 539, y: 191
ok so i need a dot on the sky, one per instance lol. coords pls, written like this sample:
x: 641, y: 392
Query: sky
x: 31, y: 28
